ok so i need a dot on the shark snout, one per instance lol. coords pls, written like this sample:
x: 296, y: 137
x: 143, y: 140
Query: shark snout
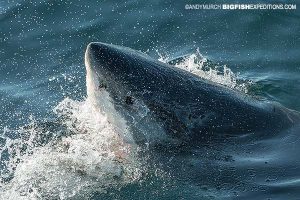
x: 99, y: 57
x: 95, y: 51
x: 95, y: 57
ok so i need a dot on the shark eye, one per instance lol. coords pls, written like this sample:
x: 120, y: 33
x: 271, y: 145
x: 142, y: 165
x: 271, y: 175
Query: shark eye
x: 129, y: 100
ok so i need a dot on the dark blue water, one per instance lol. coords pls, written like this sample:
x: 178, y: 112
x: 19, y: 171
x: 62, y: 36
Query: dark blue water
x: 42, y: 47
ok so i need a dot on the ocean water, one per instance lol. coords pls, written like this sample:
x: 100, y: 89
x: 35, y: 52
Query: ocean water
x: 55, y: 145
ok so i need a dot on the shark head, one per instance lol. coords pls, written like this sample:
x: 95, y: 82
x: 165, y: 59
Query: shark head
x: 123, y: 84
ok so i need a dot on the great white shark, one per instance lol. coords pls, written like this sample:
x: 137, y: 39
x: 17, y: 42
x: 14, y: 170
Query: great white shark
x: 152, y: 102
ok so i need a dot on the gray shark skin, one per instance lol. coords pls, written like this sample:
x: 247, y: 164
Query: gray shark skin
x: 160, y: 102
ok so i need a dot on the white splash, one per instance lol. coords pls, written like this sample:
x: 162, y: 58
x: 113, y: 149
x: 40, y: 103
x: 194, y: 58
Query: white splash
x: 197, y: 64
x: 91, y: 158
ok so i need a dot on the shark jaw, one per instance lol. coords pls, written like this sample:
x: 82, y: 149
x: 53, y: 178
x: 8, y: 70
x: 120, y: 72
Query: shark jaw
x: 98, y: 96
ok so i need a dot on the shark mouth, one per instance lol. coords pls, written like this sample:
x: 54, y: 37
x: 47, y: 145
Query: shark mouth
x: 102, y: 102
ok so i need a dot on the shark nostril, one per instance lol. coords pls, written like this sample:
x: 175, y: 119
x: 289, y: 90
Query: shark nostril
x: 102, y: 86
